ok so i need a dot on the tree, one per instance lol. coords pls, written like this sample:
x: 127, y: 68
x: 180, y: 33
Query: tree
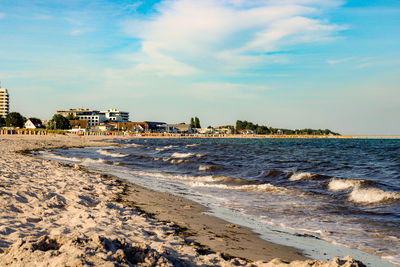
x: 2, y: 122
x: 196, y: 123
x: 71, y: 116
x: 59, y: 122
x: 14, y: 119
x: 192, y: 123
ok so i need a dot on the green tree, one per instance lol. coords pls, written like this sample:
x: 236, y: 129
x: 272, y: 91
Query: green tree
x: 192, y: 123
x: 34, y: 118
x: 59, y: 122
x: 196, y: 123
x: 71, y: 116
x: 2, y: 122
x: 14, y: 119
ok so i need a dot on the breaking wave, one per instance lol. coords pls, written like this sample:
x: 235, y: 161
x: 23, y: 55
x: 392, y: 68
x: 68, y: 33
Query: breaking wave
x: 269, y: 188
x: 372, y: 195
x: 209, y: 167
x: 300, y: 176
x: 178, y: 161
x: 172, y: 160
x: 360, y: 194
x: 342, y: 184
x: 182, y: 155
x: 165, y: 148
x: 106, y: 152
x: 134, y: 145
x: 192, y: 145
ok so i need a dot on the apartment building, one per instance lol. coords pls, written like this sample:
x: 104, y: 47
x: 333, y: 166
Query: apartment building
x: 4, y: 102
x: 116, y: 115
x: 95, y: 117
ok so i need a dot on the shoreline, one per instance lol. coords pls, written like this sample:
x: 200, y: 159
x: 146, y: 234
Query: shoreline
x: 206, y: 234
x: 198, y: 229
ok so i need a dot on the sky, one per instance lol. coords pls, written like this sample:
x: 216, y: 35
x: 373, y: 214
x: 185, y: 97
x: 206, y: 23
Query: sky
x: 282, y: 63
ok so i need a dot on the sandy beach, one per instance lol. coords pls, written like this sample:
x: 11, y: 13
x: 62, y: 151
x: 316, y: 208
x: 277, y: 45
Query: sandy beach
x: 55, y: 214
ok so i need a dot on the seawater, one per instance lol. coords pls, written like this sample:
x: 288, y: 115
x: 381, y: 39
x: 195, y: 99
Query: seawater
x: 328, y: 197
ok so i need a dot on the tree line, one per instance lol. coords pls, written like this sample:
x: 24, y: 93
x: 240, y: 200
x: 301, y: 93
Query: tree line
x: 262, y: 129
x: 15, y: 119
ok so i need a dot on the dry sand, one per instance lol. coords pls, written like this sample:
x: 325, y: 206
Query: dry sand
x: 54, y: 214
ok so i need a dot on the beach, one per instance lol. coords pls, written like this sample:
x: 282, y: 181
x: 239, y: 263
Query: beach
x: 56, y: 214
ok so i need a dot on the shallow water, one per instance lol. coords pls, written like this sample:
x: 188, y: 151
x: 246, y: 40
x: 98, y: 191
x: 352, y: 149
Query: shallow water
x: 346, y: 192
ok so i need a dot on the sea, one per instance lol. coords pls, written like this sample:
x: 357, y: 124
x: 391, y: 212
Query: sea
x: 326, y: 197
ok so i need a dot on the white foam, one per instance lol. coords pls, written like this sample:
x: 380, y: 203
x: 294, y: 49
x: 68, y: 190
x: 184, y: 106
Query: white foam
x: 182, y: 155
x: 205, y: 167
x: 94, y: 161
x: 300, y: 176
x: 342, y: 184
x: 110, y: 154
x: 253, y: 188
x: 371, y: 195
x: 192, y: 145
x: 165, y: 148
x: 178, y: 161
x: 134, y: 145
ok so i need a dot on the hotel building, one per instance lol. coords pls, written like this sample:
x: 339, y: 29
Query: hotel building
x: 4, y: 102
x: 95, y: 117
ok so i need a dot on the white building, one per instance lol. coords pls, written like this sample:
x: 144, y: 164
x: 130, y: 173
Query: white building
x: 4, y: 102
x: 34, y: 124
x: 93, y: 117
x: 116, y: 115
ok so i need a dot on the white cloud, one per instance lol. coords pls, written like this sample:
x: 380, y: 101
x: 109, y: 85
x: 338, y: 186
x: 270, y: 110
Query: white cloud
x: 76, y: 32
x: 186, y: 37
x: 338, y: 61
x: 2, y: 15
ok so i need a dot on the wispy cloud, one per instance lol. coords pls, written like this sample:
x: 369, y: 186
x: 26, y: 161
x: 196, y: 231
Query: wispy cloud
x: 338, y: 61
x: 210, y: 35
x: 2, y: 15
x: 76, y: 32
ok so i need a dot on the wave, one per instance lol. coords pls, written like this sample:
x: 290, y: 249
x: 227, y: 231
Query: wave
x: 210, y: 167
x: 300, y: 176
x: 182, y: 155
x: 192, y: 145
x: 342, y: 184
x: 248, y: 188
x: 230, y: 180
x: 165, y: 148
x: 96, y: 161
x: 273, y: 173
x: 178, y: 161
x: 106, y: 152
x: 134, y: 145
x: 372, y: 195
x: 360, y: 194
x: 172, y: 160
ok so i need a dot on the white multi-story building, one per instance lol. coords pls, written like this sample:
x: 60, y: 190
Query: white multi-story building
x: 116, y: 115
x: 4, y: 102
x: 95, y: 117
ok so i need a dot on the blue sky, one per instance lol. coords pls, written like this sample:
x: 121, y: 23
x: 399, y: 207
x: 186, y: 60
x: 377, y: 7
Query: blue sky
x: 288, y: 63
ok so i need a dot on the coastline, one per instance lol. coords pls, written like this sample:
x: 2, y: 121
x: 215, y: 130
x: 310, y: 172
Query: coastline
x: 195, y: 232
